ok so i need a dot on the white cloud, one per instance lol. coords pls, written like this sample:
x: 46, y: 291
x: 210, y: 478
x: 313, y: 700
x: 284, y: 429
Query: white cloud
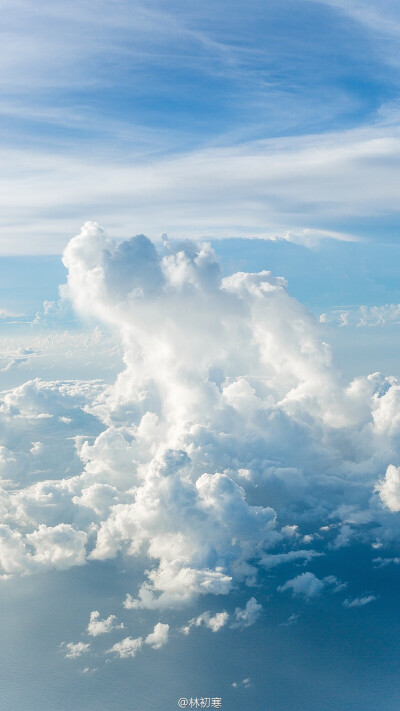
x: 308, y: 585
x: 363, y: 316
x: 121, y: 33
x: 273, y: 559
x: 383, y: 562
x: 159, y: 637
x: 209, y: 421
x: 359, y: 163
x: 386, y: 21
x: 389, y: 488
x: 359, y: 601
x: 98, y: 626
x: 74, y: 649
x: 59, y: 546
x: 16, y: 358
x: 215, y: 622
x: 177, y: 585
x: 248, y: 615
x: 58, y: 352
x: 344, y: 537
x: 98, y: 497
x: 246, y: 683
x: 292, y: 620
x: 212, y: 622
x: 128, y: 647
x: 14, y: 557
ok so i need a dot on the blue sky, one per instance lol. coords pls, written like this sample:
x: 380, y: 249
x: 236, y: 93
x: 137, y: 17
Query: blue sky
x: 202, y: 121
x: 199, y: 452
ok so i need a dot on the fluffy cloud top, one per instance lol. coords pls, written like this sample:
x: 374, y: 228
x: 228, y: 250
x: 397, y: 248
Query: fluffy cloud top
x: 389, y: 488
x: 98, y: 626
x: 59, y: 547
x: 128, y: 647
x: 74, y: 649
x: 212, y: 622
x: 159, y: 637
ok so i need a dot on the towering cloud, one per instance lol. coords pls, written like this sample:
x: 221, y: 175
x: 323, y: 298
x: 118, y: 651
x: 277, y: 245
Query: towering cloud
x: 228, y: 429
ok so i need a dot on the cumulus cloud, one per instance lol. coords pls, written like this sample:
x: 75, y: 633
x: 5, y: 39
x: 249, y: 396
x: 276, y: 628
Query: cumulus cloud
x: 308, y: 585
x: 212, y: 622
x: 248, y: 615
x: 74, y: 649
x: 59, y: 546
x: 227, y: 414
x: 172, y: 585
x: 159, y: 637
x: 14, y: 557
x: 215, y: 622
x: 389, y: 488
x: 98, y: 497
x: 98, y: 626
x: 128, y: 647
x: 126, y: 283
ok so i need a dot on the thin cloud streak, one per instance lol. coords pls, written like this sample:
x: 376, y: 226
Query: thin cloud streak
x: 260, y: 189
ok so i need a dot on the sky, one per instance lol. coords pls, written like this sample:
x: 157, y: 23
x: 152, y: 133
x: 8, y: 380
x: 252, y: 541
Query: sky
x: 199, y: 338
x: 201, y: 120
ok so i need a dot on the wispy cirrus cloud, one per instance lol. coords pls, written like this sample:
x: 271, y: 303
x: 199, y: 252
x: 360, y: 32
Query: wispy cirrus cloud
x: 383, y: 19
x: 305, y: 184
x: 289, y: 146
